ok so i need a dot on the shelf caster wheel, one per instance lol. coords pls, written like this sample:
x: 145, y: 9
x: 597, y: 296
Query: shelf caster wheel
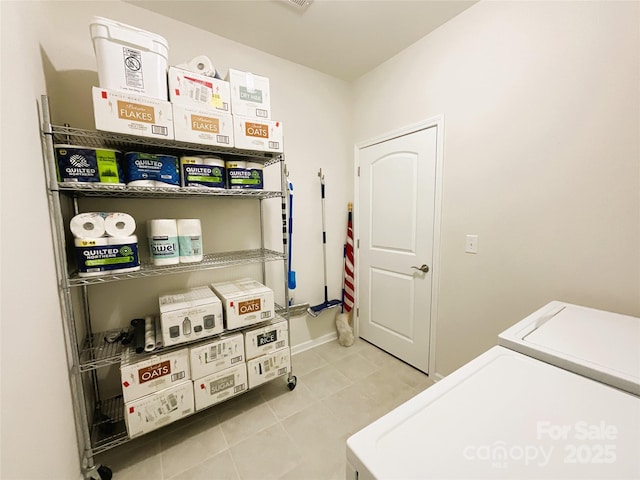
x: 100, y: 473
x: 292, y: 382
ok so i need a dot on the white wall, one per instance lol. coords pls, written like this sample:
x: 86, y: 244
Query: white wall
x: 541, y: 161
x: 315, y: 111
x: 51, y: 43
x: 38, y: 436
x: 541, y: 158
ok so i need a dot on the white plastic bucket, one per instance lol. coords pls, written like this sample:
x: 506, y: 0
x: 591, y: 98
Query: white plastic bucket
x: 130, y: 59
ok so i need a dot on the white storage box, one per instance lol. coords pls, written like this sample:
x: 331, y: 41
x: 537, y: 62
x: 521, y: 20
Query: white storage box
x: 151, y: 412
x: 217, y: 355
x: 268, y: 367
x: 201, y: 125
x: 263, y: 340
x: 130, y: 59
x: 219, y: 386
x: 190, y: 315
x: 121, y: 112
x: 245, y: 302
x: 193, y: 89
x: 256, y: 134
x: 152, y: 373
x: 250, y: 94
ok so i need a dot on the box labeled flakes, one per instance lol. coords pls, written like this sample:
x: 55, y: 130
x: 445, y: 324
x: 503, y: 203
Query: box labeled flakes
x: 200, y: 125
x: 120, y: 112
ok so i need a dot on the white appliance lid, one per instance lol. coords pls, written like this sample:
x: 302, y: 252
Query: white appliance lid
x: 505, y: 415
x: 598, y: 344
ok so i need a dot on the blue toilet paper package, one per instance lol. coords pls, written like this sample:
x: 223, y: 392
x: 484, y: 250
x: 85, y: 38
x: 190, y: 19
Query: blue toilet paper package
x: 94, y: 258
x: 88, y: 165
x: 244, y: 175
x: 151, y: 166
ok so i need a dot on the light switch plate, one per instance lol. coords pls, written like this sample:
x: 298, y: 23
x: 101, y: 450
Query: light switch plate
x: 471, y: 244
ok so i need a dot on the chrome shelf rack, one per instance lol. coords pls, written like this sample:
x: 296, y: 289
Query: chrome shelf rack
x: 100, y: 422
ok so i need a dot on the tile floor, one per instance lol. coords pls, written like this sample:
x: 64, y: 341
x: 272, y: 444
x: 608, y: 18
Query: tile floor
x: 273, y: 433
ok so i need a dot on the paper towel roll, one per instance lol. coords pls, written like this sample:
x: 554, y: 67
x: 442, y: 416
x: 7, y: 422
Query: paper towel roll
x: 122, y: 240
x: 202, y: 65
x: 149, y: 334
x: 118, y: 224
x: 190, y: 240
x: 255, y: 165
x: 163, y: 241
x: 159, y: 342
x: 213, y: 160
x: 87, y: 225
x: 142, y: 183
x: 158, y: 183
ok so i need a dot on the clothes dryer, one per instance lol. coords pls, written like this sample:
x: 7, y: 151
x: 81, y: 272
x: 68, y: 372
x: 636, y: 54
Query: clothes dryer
x: 504, y: 415
x: 597, y: 344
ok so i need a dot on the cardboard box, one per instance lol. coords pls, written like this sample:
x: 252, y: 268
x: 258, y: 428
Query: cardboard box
x: 257, y: 134
x: 151, y: 412
x: 121, y: 112
x: 193, y: 89
x: 250, y: 95
x: 217, y: 355
x: 245, y: 302
x: 219, y: 386
x: 268, y: 367
x: 269, y: 338
x: 201, y: 125
x: 143, y: 375
x: 190, y: 315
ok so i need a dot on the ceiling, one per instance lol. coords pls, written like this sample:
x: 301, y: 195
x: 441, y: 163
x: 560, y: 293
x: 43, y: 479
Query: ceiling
x: 342, y: 38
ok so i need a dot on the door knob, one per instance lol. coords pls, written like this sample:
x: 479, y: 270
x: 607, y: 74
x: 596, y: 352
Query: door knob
x: 424, y: 268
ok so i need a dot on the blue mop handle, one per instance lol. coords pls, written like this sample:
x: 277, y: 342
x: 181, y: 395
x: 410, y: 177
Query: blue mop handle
x: 290, y: 221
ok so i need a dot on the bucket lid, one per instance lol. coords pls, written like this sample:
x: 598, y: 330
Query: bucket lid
x: 101, y: 27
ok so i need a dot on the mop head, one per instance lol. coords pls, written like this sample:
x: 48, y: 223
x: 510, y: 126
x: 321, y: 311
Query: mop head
x: 318, y: 309
x: 345, y: 332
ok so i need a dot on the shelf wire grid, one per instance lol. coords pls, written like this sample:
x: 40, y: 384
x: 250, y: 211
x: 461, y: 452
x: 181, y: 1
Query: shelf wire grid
x: 97, y: 352
x: 108, y: 429
x: 210, y: 261
x: 119, y: 141
x: 106, y: 190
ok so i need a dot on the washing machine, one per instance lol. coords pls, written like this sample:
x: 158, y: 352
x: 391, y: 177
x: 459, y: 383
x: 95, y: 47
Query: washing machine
x: 507, y: 414
x: 597, y: 344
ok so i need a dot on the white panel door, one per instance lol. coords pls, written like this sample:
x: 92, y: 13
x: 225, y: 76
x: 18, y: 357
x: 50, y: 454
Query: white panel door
x: 396, y: 233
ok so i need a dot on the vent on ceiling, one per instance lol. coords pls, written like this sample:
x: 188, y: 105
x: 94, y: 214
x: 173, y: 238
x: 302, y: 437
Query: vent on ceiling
x: 299, y: 4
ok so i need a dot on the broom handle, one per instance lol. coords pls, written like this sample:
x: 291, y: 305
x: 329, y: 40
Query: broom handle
x: 324, y: 238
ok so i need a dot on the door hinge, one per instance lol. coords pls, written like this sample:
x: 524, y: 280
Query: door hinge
x: 358, y: 243
x: 357, y: 312
x: 358, y: 171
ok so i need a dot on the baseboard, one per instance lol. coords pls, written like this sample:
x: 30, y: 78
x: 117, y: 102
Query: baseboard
x: 316, y: 342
